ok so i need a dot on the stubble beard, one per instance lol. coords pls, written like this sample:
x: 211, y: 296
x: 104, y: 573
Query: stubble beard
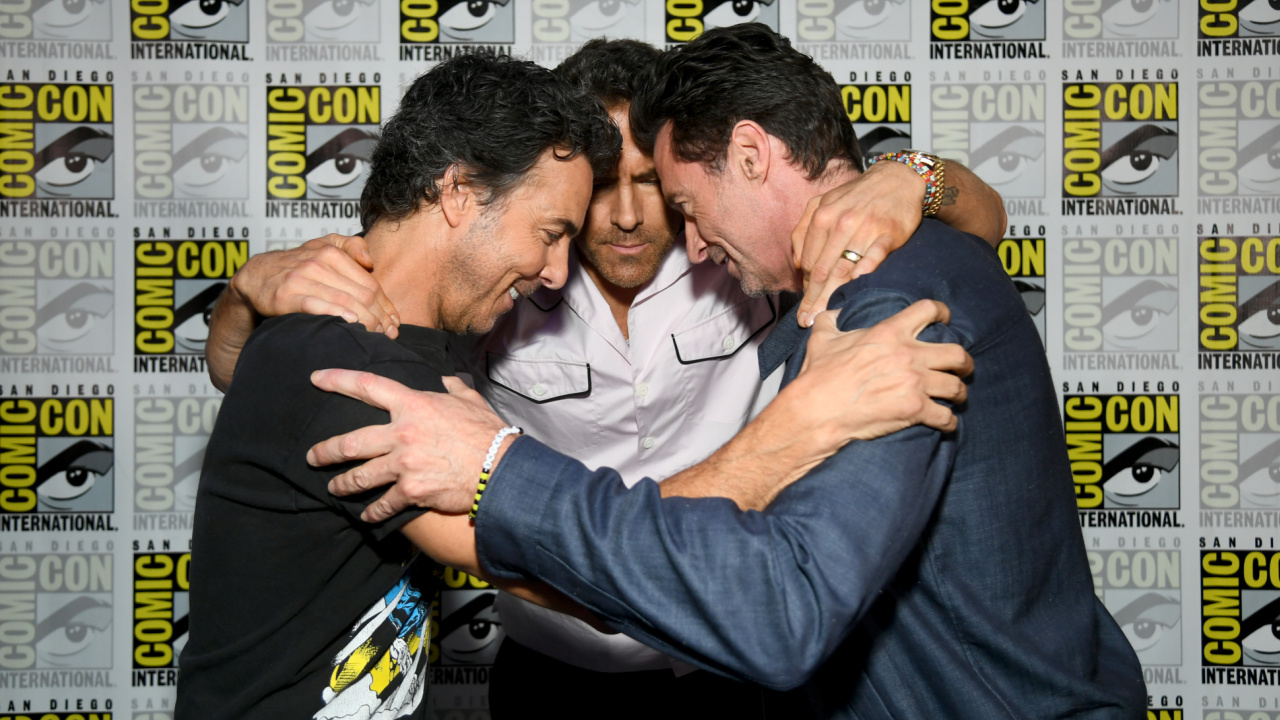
x: 626, y: 271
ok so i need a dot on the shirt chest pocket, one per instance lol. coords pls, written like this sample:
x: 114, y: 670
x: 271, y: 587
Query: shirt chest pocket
x: 550, y: 399
x: 724, y: 334
x: 718, y: 363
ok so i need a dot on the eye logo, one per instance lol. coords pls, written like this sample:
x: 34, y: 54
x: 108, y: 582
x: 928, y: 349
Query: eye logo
x: 1120, y: 19
x: 1241, y: 609
x: 65, y: 20
x: 997, y: 130
x: 320, y: 141
x: 1239, y: 125
x: 1239, y: 19
x: 59, y: 457
x: 59, y: 614
x: 457, y: 21
x: 191, y: 142
x: 687, y: 19
x: 991, y: 29
x: 576, y: 21
x: 853, y: 20
x: 176, y: 286
x: 1124, y: 450
x: 1142, y: 590
x: 323, y: 21
x: 470, y: 629
x: 57, y: 299
x: 190, y: 21
x: 1240, y: 298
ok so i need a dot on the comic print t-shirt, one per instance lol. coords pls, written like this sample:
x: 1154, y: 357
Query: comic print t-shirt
x: 298, y: 608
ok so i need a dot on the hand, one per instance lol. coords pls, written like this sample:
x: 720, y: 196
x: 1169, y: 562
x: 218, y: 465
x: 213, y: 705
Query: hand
x: 325, y: 276
x: 873, y: 215
x: 433, y: 449
x: 881, y: 379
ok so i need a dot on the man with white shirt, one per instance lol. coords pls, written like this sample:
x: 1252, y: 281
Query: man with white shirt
x: 643, y: 362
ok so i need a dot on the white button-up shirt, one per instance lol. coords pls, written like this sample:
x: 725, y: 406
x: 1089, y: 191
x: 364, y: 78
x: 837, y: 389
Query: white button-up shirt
x: 685, y: 382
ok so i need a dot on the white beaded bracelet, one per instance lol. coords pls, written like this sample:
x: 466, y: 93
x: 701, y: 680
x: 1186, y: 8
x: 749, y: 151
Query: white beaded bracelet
x: 488, y: 464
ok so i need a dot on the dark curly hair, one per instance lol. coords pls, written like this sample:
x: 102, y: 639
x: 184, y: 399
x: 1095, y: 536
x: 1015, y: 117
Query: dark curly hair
x: 493, y: 117
x: 744, y: 72
x: 612, y: 70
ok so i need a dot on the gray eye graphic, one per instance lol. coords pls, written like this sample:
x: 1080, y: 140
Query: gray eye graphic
x: 1009, y: 157
x: 1006, y: 19
x: 1260, y: 635
x: 1142, y: 318
x: 1138, y: 470
x: 1138, y: 164
x: 1260, y: 486
x: 1259, y: 325
x: 1146, y: 620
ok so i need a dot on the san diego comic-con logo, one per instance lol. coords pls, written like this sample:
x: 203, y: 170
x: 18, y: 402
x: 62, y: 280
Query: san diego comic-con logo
x: 1120, y: 146
x: 176, y: 283
x: 57, y: 299
x: 1239, y: 456
x: 320, y: 139
x: 880, y: 112
x: 318, y: 30
x: 435, y: 30
x: 1237, y: 27
x: 58, y: 613
x: 190, y: 148
x: 161, y: 614
x: 1240, y: 614
x: 88, y: 22
x: 189, y: 29
x: 853, y: 21
x: 169, y: 439
x: 57, y: 455
x: 1119, y: 28
x: 1239, y: 298
x: 1023, y: 261
x: 1239, y: 133
x: 1142, y: 589
x: 468, y: 634
x: 1125, y: 456
x: 1120, y: 301
x: 685, y: 20
x: 991, y: 29
x: 996, y: 129
x: 560, y: 26
x: 58, y: 141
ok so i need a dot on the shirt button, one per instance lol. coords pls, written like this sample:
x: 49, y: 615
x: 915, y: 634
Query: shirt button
x: 539, y: 389
x: 642, y: 389
x: 729, y: 342
x: 647, y: 442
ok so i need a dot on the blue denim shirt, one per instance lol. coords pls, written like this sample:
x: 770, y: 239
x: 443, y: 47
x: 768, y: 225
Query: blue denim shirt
x: 917, y: 575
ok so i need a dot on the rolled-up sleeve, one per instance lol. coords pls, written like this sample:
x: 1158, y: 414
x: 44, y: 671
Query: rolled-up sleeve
x: 762, y: 596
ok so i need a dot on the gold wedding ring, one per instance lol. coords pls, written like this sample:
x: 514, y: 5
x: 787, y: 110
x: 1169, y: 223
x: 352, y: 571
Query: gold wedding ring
x: 852, y: 256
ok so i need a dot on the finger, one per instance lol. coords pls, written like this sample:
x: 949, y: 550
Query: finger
x: 375, y: 473
x: 336, y: 268
x: 368, y: 388
x: 315, y: 306
x: 458, y: 389
x: 353, y: 246
x: 875, y: 254
x: 391, y: 502
x: 372, y: 441
x: 945, y: 357
x: 945, y: 386
x: 917, y: 316
x: 939, y: 417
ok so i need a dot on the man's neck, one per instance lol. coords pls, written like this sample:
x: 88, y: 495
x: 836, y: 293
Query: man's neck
x: 400, y: 250
x: 618, y: 298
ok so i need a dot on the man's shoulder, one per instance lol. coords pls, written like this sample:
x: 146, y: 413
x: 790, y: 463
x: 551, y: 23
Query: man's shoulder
x: 301, y: 343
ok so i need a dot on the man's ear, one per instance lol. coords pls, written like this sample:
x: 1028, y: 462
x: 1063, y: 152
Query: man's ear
x: 457, y: 197
x: 749, y: 152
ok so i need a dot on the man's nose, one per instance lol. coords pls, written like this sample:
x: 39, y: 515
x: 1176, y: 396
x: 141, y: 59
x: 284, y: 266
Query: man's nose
x: 556, y: 271
x: 626, y: 213
x: 696, y: 246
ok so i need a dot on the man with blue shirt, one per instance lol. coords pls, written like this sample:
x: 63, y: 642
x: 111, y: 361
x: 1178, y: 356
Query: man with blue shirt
x: 923, y: 574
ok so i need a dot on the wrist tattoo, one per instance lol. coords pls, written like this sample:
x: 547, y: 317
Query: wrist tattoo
x: 949, y: 195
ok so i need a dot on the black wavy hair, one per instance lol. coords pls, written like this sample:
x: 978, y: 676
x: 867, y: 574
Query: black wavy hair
x: 493, y: 117
x: 612, y: 70
x: 744, y: 72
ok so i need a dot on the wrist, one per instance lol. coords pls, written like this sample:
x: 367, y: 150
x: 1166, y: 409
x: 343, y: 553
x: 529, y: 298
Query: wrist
x: 502, y: 440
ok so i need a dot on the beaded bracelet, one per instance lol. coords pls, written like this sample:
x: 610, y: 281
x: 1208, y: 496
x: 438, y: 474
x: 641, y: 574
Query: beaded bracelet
x: 929, y: 167
x: 488, y: 464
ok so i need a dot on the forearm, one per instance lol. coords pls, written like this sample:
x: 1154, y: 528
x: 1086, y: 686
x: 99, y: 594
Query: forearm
x: 681, y: 574
x: 770, y: 453
x: 972, y: 206
x: 230, y: 326
x: 450, y: 539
